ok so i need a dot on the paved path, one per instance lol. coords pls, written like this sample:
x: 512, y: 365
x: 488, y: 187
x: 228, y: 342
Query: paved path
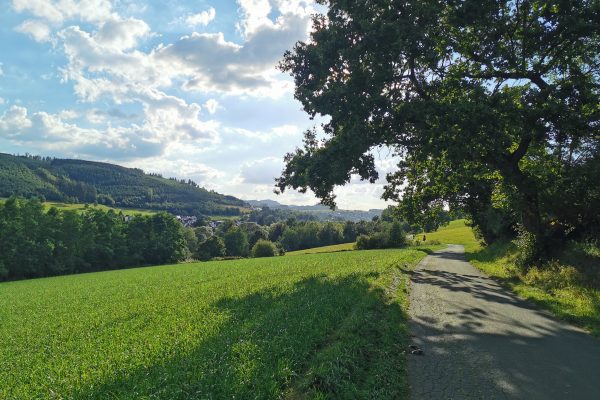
x: 483, y: 342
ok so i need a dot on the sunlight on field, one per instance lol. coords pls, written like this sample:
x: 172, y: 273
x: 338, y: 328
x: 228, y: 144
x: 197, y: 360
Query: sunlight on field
x: 456, y: 232
x: 233, y: 329
x: 325, y: 249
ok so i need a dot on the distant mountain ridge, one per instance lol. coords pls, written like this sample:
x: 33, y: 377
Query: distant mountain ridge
x: 82, y: 181
x: 320, y: 211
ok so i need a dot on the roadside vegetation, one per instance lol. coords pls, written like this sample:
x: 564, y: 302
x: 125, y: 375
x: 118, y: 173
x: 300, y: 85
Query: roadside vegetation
x: 311, y: 326
x: 568, y: 286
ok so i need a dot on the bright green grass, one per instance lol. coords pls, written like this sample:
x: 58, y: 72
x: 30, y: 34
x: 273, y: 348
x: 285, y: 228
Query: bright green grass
x: 456, y: 232
x: 573, y: 301
x: 325, y: 249
x: 328, y: 325
x: 81, y: 207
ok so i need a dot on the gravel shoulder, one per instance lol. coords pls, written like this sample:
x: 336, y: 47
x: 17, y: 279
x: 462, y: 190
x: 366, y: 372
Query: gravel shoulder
x: 480, y: 341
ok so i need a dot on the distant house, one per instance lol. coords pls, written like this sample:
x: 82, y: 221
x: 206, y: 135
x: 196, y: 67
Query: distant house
x: 187, y: 221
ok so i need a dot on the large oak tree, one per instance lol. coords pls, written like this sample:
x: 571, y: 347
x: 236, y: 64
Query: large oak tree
x: 492, y: 106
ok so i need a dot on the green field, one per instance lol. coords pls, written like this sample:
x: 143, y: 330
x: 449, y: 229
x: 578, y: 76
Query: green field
x: 81, y: 207
x: 325, y: 249
x: 311, y: 326
x: 456, y: 232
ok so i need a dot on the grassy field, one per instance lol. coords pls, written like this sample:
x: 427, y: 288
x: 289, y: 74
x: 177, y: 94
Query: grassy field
x: 568, y: 287
x: 80, y: 207
x: 325, y: 249
x: 456, y: 232
x: 310, y: 326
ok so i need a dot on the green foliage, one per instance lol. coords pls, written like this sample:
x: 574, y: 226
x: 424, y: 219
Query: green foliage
x: 236, y: 242
x: 390, y: 237
x: 38, y: 243
x: 491, y: 106
x: 210, y: 248
x: 329, y: 325
x: 264, y: 248
x: 77, y: 181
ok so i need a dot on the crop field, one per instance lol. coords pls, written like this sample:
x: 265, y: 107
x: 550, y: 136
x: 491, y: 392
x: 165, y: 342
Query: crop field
x: 324, y: 249
x: 311, y: 326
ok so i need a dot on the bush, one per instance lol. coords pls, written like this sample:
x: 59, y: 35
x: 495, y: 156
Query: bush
x: 527, y: 249
x: 264, y: 248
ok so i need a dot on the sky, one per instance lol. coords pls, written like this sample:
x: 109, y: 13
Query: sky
x: 188, y: 89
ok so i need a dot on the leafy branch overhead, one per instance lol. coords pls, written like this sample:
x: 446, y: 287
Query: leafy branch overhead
x: 493, y: 107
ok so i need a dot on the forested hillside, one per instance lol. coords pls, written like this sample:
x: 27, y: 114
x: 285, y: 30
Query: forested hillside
x: 113, y: 185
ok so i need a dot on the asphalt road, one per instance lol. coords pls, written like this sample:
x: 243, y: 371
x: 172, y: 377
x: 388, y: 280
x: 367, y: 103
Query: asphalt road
x: 480, y: 341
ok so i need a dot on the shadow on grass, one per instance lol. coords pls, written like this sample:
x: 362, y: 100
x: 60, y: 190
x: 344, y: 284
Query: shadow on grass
x: 337, y: 337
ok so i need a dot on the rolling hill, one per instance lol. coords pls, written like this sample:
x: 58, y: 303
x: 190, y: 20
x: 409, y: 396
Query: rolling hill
x: 81, y: 181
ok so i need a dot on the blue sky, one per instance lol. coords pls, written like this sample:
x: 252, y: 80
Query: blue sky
x: 185, y: 88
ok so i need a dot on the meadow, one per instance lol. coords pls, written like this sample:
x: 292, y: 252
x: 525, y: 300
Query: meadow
x: 311, y: 326
x: 80, y: 207
x: 324, y: 249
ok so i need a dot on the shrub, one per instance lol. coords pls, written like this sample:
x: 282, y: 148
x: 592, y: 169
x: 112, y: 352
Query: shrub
x: 526, y: 249
x: 264, y: 248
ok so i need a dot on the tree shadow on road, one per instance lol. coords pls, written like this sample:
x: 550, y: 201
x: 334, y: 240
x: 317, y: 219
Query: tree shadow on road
x: 485, y: 342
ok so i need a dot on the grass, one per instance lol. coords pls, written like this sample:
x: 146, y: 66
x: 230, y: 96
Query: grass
x: 81, y: 207
x: 569, y: 287
x: 325, y: 249
x: 456, y: 232
x: 310, y: 326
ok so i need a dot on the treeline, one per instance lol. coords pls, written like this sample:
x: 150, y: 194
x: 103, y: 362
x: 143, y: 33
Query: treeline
x: 240, y: 240
x: 37, y: 243
x: 77, y: 181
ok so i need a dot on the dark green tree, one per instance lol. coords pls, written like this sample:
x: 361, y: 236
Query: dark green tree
x: 210, y: 248
x: 486, y: 102
x: 236, y: 242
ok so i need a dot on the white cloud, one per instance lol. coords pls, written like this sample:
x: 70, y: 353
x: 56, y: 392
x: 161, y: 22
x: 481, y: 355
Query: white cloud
x: 122, y: 34
x: 68, y: 114
x: 14, y: 120
x: 212, y: 106
x: 2, y: 101
x: 37, y: 29
x: 56, y: 12
x: 203, y: 18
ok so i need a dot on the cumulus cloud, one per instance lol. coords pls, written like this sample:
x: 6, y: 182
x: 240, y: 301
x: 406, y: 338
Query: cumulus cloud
x: 38, y: 30
x: 203, y: 18
x: 56, y: 12
x: 122, y: 34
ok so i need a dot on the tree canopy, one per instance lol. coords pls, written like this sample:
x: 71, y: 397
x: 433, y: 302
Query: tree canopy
x: 492, y: 106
